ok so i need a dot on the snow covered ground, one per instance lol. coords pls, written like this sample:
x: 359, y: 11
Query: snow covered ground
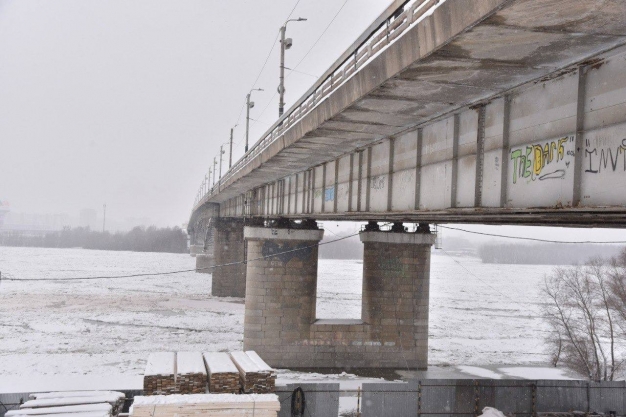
x: 99, y: 333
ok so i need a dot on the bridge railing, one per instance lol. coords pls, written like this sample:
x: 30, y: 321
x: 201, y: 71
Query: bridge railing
x: 390, y: 25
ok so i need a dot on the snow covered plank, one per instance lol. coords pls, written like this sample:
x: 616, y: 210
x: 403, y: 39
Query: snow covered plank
x: 101, y: 407
x: 269, y: 385
x: 260, y: 363
x: 160, y: 374
x: 223, y: 374
x: 191, y: 377
x: 254, y: 377
x: 62, y: 394
x: 113, y: 400
x: 82, y: 414
x: 161, y: 363
x: 210, y: 400
x: 226, y: 405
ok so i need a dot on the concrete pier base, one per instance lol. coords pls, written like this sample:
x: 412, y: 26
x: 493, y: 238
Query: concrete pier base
x: 229, y: 278
x: 195, y: 249
x: 280, y: 293
x: 396, y: 281
x: 204, y: 263
x: 280, y: 321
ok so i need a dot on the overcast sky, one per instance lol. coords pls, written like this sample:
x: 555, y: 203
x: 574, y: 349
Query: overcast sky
x: 127, y: 102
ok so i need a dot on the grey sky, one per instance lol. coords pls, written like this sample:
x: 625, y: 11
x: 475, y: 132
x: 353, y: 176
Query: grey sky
x: 127, y: 102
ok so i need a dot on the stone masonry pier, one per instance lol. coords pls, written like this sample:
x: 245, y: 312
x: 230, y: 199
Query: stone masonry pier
x: 280, y: 318
x: 229, y: 279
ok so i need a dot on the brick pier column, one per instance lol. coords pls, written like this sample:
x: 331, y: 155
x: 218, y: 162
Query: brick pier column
x: 229, y: 248
x: 280, y: 293
x: 195, y: 249
x: 204, y: 262
x: 396, y: 279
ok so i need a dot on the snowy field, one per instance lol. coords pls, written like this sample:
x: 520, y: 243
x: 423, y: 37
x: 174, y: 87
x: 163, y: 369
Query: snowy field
x: 101, y: 331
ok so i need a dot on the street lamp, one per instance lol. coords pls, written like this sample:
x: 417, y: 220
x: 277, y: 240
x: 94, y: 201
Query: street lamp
x: 230, y: 155
x: 222, y: 152
x: 285, y: 43
x: 249, y: 105
x: 214, y: 169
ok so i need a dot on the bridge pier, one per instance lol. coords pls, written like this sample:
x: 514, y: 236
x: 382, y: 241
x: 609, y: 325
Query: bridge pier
x: 204, y: 262
x: 396, y: 280
x: 280, y: 317
x: 280, y: 293
x: 195, y: 249
x: 229, y: 248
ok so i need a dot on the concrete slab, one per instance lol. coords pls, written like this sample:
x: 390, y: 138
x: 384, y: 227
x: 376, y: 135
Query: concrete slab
x: 398, y: 238
x: 266, y: 233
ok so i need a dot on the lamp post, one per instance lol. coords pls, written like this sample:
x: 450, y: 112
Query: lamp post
x: 230, y: 154
x: 222, y: 152
x: 214, y: 169
x: 208, y: 184
x: 249, y: 105
x: 285, y: 43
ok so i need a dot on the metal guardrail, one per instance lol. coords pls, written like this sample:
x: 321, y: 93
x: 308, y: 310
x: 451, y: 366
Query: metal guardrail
x: 391, y: 24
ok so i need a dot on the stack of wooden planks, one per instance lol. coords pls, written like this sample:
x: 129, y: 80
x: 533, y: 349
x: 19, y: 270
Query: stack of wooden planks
x: 255, y: 375
x: 206, y: 405
x: 74, y: 403
x: 160, y: 374
x: 223, y: 374
x: 191, y: 376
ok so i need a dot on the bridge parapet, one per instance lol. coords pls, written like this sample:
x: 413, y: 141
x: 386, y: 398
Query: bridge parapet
x: 391, y: 24
x: 444, y: 124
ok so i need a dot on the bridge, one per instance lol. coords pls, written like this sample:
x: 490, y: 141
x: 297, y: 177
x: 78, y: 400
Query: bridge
x: 467, y: 111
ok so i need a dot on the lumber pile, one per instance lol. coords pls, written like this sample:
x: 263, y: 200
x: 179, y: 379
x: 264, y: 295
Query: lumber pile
x: 186, y: 373
x: 160, y: 374
x: 92, y: 410
x: 255, y: 376
x: 206, y: 405
x: 74, y: 403
x: 223, y: 374
x: 191, y: 376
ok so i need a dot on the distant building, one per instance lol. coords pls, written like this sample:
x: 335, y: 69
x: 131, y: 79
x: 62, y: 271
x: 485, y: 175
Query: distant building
x: 88, y: 218
x: 4, y: 209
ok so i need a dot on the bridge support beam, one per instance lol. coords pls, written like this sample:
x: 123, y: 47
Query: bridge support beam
x: 280, y: 318
x: 396, y: 280
x: 280, y: 293
x: 195, y: 249
x: 229, y: 248
x: 204, y: 262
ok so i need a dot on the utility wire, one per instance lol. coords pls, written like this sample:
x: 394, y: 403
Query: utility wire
x: 273, y: 44
x: 180, y: 271
x: 266, y: 60
x: 320, y: 37
x: 308, y: 52
x: 473, y: 275
x: 302, y: 72
x: 533, y: 239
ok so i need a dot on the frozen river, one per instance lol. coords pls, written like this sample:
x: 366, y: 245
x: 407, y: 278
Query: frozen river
x: 480, y: 314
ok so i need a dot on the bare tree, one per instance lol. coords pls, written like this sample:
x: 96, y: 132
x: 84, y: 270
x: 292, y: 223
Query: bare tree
x: 582, y: 311
x: 617, y: 284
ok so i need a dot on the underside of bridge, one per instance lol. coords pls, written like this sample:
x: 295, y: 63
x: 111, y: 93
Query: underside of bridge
x: 483, y: 111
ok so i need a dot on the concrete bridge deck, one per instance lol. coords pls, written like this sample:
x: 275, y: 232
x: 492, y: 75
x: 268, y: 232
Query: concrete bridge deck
x: 444, y: 123
x: 473, y: 111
